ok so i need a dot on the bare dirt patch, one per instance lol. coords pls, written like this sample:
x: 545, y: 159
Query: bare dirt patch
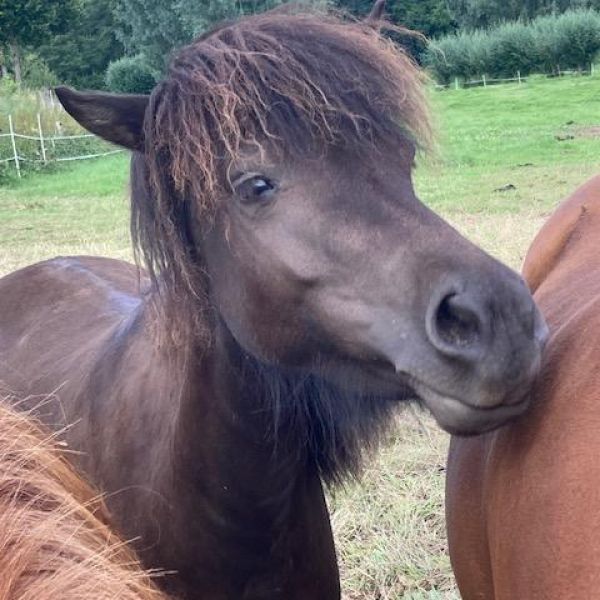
x: 590, y: 131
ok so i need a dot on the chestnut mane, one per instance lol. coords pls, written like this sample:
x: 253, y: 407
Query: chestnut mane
x: 55, y: 542
x: 290, y: 83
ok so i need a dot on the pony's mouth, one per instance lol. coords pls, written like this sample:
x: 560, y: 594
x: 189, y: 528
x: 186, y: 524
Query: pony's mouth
x: 462, y: 418
x: 458, y: 415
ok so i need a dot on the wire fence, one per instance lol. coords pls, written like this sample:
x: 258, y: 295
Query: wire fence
x: 485, y: 81
x: 19, y: 150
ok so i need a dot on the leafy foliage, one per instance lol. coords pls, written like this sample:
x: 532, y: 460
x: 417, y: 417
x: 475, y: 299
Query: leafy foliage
x: 482, y: 14
x: 429, y: 17
x: 81, y: 55
x: 36, y: 72
x: 28, y: 22
x: 156, y: 27
x: 74, y: 41
x: 131, y: 75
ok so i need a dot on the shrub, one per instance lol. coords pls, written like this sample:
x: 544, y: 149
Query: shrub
x: 464, y: 55
x: 440, y: 58
x: 547, y: 42
x: 577, y: 36
x: 512, y: 48
x: 130, y: 74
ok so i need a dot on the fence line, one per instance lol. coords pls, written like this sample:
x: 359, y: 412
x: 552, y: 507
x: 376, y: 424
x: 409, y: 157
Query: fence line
x: 14, y: 146
x: 65, y: 158
x: 41, y: 139
x: 41, y: 132
x: 487, y: 82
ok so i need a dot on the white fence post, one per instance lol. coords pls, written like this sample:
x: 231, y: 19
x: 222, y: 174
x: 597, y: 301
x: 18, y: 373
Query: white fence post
x: 14, y: 145
x: 592, y: 69
x: 484, y: 81
x: 42, y: 146
x: 519, y: 76
x: 456, y: 83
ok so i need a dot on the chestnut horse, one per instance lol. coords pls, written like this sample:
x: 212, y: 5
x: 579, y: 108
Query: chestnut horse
x: 523, y: 502
x: 297, y: 291
x: 55, y: 542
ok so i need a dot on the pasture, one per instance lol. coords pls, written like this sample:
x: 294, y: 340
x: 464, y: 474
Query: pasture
x: 506, y: 156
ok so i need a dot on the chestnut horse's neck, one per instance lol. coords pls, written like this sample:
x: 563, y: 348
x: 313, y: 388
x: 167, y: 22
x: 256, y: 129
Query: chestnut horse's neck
x: 250, y: 505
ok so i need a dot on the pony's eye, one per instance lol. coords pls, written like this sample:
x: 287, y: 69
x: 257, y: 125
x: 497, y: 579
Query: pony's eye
x: 255, y: 188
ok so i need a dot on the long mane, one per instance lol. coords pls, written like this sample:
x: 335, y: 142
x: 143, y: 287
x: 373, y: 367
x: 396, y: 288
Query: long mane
x: 295, y: 83
x: 55, y: 541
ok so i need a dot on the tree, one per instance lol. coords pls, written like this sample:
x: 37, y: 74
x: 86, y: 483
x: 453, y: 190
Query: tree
x: 81, y: 54
x: 29, y: 22
x: 429, y: 17
x: 150, y: 27
x: 155, y: 27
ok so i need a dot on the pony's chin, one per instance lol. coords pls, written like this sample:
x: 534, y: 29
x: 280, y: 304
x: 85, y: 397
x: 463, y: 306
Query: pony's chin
x: 461, y: 418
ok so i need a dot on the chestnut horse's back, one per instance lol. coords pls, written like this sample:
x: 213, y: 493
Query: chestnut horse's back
x: 523, y: 502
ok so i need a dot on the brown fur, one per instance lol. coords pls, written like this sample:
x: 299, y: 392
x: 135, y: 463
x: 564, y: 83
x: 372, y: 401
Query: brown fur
x: 523, y: 503
x: 55, y: 541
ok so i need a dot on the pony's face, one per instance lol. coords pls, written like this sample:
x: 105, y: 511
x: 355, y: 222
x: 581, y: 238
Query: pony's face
x: 332, y: 264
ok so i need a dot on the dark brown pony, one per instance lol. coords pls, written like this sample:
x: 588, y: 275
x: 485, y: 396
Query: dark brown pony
x: 523, y: 503
x: 297, y: 291
x: 55, y: 542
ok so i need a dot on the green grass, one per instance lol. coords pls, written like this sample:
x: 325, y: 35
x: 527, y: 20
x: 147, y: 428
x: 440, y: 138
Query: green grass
x: 492, y: 137
x: 478, y: 134
x: 390, y: 527
x: 82, y: 209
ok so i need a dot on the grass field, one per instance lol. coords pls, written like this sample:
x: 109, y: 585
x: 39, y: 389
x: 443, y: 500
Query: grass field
x: 537, y: 142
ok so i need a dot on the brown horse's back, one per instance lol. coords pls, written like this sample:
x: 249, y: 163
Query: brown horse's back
x: 523, y: 503
x: 55, y: 317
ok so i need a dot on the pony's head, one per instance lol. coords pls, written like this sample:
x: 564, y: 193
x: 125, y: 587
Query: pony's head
x: 272, y: 196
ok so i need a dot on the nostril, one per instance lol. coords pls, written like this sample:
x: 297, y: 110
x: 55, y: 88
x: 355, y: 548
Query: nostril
x: 457, y: 325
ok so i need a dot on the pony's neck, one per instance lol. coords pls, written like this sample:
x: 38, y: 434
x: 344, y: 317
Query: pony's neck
x: 259, y: 500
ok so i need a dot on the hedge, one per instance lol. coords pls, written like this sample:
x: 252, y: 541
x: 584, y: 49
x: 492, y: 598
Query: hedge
x: 545, y: 45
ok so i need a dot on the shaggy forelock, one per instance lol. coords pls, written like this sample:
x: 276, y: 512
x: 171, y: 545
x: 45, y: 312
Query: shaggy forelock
x: 301, y: 81
x: 55, y: 542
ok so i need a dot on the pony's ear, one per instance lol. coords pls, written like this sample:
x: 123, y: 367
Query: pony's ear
x: 118, y: 118
x: 376, y: 14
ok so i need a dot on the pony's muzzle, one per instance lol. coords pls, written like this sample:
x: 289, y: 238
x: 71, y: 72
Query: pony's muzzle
x: 493, y: 333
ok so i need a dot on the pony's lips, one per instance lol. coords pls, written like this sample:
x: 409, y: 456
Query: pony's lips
x: 453, y: 414
x: 462, y: 418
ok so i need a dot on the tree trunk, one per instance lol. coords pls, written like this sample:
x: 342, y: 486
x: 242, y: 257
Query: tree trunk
x: 3, y: 69
x: 15, y: 54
